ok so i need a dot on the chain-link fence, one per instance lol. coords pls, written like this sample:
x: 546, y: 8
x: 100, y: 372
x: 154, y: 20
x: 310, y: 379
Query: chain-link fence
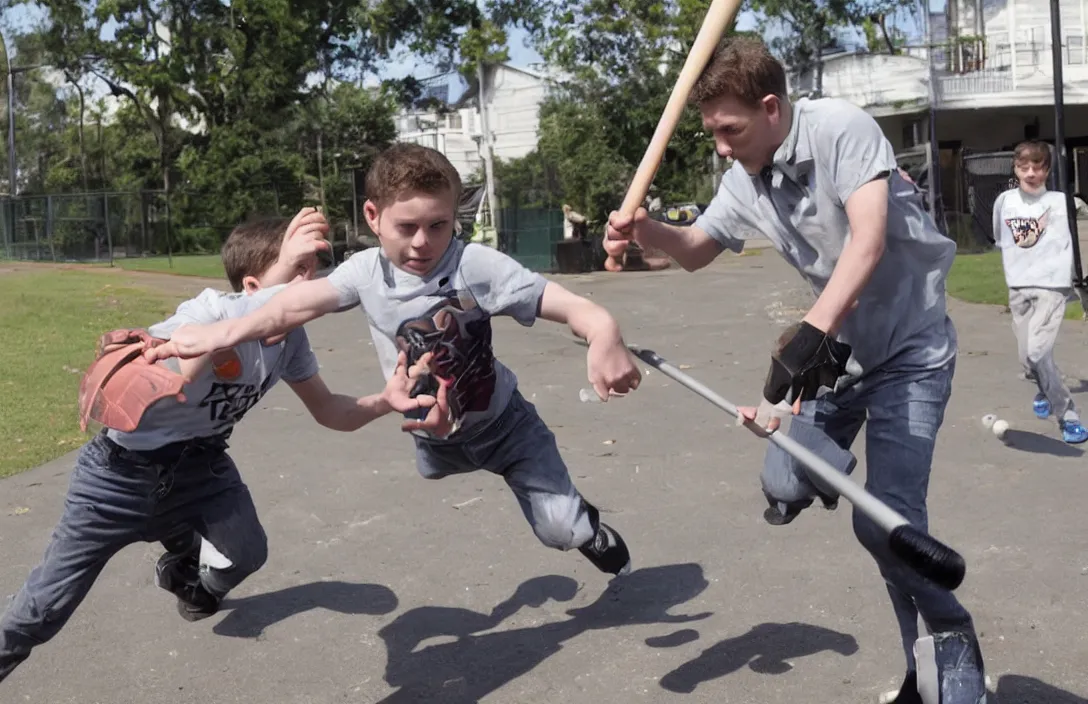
x: 529, y: 235
x: 104, y: 226
x: 85, y: 227
x: 108, y: 226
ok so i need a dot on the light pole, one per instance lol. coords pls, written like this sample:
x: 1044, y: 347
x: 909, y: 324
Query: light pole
x: 13, y: 176
x: 1059, y: 136
x: 11, y: 117
x: 9, y: 230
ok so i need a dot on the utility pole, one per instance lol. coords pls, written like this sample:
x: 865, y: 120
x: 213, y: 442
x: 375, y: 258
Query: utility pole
x: 9, y: 230
x: 485, y: 142
x: 1059, y: 136
x: 934, y: 150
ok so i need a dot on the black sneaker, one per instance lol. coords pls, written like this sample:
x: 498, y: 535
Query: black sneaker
x: 607, y: 551
x: 780, y: 513
x: 179, y: 574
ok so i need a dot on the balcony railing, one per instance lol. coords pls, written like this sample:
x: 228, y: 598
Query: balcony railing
x: 994, y: 65
x: 985, y: 82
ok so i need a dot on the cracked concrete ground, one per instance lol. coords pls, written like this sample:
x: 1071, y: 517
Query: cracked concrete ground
x: 382, y: 586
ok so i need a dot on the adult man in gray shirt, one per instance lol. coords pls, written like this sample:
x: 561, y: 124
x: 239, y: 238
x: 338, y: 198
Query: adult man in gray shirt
x: 819, y: 180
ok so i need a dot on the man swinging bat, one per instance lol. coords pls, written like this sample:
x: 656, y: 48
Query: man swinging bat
x: 819, y: 180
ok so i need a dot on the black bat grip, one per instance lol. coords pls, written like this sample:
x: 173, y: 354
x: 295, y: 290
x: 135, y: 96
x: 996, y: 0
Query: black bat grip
x: 928, y: 556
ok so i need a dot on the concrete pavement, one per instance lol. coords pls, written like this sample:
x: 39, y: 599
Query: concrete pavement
x: 382, y: 586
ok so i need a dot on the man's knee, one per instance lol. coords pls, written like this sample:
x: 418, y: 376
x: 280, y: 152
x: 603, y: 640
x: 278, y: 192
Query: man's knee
x: 789, y: 487
x: 870, y: 535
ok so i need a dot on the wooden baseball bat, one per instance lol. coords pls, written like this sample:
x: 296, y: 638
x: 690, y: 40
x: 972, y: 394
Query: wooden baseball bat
x: 718, y: 16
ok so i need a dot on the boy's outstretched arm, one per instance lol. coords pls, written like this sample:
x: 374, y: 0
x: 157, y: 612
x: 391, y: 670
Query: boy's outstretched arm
x: 295, y: 305
x: 347, y: 413
x: 612, y: 369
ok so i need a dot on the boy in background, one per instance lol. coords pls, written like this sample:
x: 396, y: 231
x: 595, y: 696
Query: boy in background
x: 1031, y: 228
x: 425, y: 292
x: 171, y: 480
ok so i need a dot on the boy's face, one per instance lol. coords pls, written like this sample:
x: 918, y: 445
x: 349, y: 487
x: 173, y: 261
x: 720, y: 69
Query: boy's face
x: 1031, y: 175
x: 415, y: 229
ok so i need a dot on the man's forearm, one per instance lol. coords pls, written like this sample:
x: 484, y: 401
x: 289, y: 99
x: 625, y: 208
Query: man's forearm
x: 683, y: 244
x: 852, y: 272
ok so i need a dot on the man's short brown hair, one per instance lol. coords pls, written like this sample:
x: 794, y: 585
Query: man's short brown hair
x: 405, y: 167
x: 1032, y: 151
x: 742, y: 67
x: 252, y: 248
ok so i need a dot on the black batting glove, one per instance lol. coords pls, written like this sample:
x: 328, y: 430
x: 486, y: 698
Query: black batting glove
x: 804, y: 360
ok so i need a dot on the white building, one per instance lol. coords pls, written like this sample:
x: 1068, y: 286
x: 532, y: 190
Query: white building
x: 512, y: 98
x: 992, y: 83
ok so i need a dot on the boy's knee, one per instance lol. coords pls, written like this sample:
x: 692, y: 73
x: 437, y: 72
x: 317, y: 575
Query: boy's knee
x: 254, y: 555
x: 560, y: 522
x: 243, y: 559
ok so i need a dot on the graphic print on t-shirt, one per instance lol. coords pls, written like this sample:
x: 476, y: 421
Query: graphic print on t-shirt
x: 1027, y: 231
x: 228, y: 400
x: 458, y: 333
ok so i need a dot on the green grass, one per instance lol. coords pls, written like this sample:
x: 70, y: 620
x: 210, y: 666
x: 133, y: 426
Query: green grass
x: 206, y: 265
x: 979, y: 278
x: 51, y: 320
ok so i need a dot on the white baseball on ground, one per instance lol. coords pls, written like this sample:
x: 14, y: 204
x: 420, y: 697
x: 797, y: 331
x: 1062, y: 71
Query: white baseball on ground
x: 1000, y: 428
x: 588, y: 396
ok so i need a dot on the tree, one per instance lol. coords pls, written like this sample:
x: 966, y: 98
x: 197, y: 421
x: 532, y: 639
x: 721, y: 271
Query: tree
x: 802, y: 30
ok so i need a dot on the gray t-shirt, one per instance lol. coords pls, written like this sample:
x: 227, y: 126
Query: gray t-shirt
x: 798, y: 203
x: 449, y: 312
x: 230, y: 385
x: 1032, y: 232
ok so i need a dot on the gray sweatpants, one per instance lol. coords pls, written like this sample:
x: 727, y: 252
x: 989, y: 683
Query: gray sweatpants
x: 1037, y: 315
x: 116, y: 498
x: 519, y: 447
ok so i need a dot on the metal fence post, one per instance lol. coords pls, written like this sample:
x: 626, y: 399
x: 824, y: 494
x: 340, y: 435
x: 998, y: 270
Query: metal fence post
x: 109, y: 235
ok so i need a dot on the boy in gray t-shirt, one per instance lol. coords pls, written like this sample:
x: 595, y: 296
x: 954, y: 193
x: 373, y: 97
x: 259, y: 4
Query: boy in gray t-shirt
x: 423, y: 292
x: 1031, y: 228
x: 819, y: 180
x: 171, y: 480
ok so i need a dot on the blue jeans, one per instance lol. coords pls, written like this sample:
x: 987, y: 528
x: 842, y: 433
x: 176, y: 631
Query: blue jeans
x: 117, y: 497
x: 904, y: 411
x: 519, y: 447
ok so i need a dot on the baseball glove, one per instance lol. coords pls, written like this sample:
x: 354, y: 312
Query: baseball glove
x: 120, y: 385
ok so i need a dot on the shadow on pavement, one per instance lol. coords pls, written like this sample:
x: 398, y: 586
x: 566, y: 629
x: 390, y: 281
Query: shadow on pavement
x: 1027, y: 441
x: 251, y: 615
x: 1019, y: 689
x: 766, y: 648
x: 470, y: 664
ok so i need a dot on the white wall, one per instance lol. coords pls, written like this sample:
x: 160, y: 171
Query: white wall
x: 512, y: 100
x: 872, y: 80
x: 513, y: 108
